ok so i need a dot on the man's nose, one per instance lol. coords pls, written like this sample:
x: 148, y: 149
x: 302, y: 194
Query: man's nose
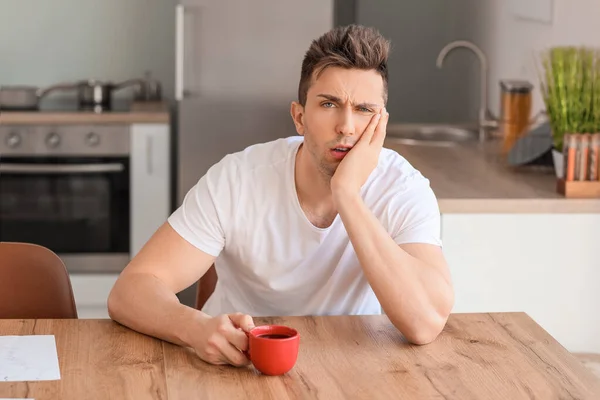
x: 346, y: 125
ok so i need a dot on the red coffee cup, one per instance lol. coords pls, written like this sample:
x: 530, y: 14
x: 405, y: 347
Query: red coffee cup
x: 273, y: 349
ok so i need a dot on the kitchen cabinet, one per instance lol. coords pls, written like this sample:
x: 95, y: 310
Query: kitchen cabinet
x: 150, y: 193
x: 546, y: 265
x: 91, y: 294
x: 150, y: 181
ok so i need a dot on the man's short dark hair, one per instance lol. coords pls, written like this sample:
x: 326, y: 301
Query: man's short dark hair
x: 351, y: 47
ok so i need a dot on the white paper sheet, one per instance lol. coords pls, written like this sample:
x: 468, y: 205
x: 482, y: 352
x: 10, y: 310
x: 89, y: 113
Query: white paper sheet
x: 28, y: 358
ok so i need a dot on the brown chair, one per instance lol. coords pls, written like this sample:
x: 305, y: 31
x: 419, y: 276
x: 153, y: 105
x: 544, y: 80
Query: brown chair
x: 206, y: 287
x: 34, y: 283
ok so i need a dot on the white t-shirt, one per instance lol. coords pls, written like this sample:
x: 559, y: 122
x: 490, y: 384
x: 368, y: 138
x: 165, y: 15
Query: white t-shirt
x: 271, y: 261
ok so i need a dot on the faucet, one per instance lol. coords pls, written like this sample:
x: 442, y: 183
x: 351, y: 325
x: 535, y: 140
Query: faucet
x: 486, y: 119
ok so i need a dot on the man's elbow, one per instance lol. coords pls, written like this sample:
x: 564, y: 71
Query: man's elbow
x: 113, y: 303
x: 424, y: 330
x: 429, y: 327
x: 422, y: 335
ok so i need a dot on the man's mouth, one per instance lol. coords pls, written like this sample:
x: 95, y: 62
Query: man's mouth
x: 343, y: 147
x: 340, y: 152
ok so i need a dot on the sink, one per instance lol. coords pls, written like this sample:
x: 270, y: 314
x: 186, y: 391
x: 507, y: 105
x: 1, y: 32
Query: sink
x: 430, y: 135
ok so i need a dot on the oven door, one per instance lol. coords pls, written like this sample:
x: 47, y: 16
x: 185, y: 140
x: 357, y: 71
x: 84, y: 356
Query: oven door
x: 77, y: 207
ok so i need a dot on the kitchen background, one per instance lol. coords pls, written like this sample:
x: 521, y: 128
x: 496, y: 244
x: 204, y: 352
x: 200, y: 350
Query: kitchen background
x: 42, y: 43
x: 46, y: 42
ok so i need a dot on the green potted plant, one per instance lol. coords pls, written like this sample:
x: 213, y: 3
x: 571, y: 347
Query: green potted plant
x: 570, y: 84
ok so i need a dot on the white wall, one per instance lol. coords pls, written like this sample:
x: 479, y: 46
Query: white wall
x: 47, y: 41
x: 510, y: 42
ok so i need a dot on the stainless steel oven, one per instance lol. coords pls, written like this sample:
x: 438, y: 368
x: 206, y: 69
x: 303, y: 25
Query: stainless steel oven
x: 68, y: 188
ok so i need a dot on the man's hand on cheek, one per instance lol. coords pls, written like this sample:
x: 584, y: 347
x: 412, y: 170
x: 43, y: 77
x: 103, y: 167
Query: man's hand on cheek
x: 361, y: 160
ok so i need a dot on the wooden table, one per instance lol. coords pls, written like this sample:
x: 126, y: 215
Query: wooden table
x: 478, y: 356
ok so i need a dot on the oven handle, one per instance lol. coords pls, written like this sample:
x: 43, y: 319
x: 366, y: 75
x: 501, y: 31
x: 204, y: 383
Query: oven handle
x: 61, y: 168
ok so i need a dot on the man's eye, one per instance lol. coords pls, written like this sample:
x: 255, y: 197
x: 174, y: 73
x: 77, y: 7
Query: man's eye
x: 327, y: 104
x: 364, y: 109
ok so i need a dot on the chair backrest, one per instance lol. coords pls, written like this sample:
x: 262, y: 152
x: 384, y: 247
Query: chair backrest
x: 34, y: 283
x: 206, y: 287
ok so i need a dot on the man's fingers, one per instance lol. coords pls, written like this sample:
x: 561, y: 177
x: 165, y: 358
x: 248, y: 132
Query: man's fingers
x: 231, y: 354
x: 370, y: 129
x: 243, y: 321
x: 237, y: 338
x: 380, y: 131
x: 231, y: 337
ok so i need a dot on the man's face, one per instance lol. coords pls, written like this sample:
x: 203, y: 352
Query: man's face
x: 339, y: 105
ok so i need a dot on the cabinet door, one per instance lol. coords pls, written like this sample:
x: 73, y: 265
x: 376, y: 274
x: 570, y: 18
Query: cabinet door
x: 150, y: 181
x: 544, y: 265
x: 91, y: 294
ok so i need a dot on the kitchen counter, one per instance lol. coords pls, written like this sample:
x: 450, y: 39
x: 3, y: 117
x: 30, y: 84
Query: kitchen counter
x: 472, y: 178
x: 512, y: 242
x: 138, y: 113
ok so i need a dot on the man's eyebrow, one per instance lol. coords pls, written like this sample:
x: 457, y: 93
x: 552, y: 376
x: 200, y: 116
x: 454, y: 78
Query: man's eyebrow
x: 331, y: 97
x: 369, y: 105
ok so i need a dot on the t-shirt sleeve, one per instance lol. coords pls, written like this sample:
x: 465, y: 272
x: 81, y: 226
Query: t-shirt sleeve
x: 415, y: 213
x: 199, y: 219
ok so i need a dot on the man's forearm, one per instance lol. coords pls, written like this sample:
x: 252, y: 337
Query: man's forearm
x: 151, y: 308
x: 414, y: 295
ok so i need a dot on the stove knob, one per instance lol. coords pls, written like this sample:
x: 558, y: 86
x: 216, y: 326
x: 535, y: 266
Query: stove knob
x: 13, y: 140
x: 92, y: 139
x: 53, y: 140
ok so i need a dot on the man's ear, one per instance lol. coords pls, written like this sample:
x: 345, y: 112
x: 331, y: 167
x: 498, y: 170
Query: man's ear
x: 297, y: 112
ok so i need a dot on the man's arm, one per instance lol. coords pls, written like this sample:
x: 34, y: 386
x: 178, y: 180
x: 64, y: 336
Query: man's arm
x: 411, y: 281
x: 144, y: 299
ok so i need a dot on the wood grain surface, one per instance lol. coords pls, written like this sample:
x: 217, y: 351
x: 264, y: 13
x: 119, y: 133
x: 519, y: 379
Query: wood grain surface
x: 157, y: 113
x: 477, y: 356
x: 474, y: 178
x: 98, y: 359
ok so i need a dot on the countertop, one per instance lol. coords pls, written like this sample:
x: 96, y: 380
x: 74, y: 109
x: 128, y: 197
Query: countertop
x: 138, y: 113
x: 477, y: 356
x: 473, y: 178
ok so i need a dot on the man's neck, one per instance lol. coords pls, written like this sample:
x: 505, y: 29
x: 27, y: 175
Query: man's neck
x: 314, y: 191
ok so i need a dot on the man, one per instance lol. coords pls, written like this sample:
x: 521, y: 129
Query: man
x: 327, y: 222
